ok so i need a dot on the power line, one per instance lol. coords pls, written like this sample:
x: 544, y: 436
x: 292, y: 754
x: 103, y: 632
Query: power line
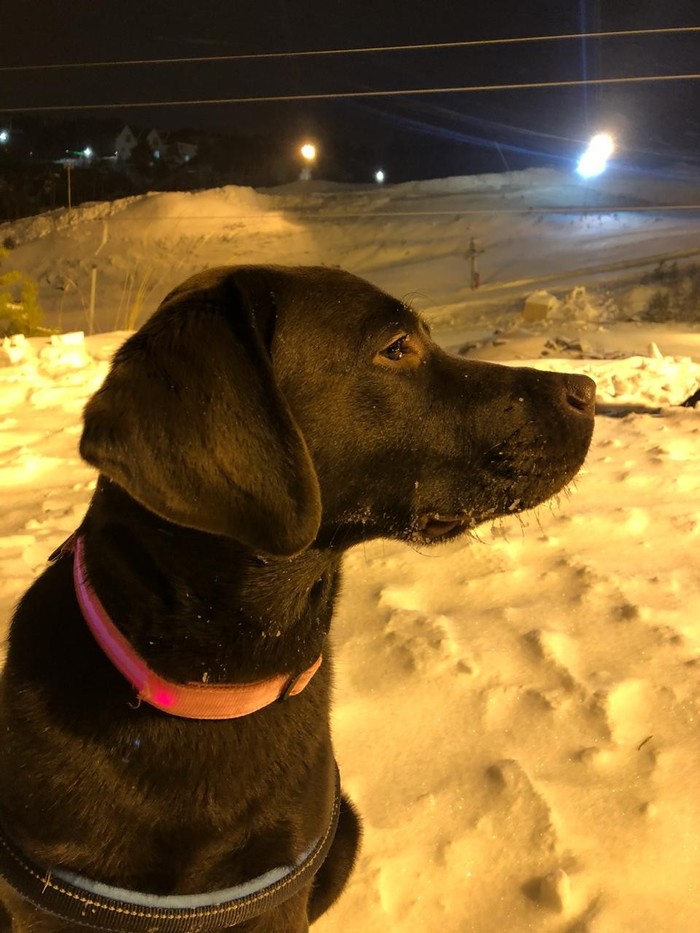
x: 349, y: 95
x: 471, y: 43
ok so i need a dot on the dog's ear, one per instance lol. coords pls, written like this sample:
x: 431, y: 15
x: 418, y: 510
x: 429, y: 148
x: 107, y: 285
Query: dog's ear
x: 191, y: 423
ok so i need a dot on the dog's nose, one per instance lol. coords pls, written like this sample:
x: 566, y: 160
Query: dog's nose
x: 579, y: 392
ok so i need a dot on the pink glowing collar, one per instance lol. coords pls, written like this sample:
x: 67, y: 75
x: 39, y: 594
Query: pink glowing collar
x: 192, y: 700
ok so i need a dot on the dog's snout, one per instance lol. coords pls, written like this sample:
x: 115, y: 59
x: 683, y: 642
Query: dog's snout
x: 579, y: 393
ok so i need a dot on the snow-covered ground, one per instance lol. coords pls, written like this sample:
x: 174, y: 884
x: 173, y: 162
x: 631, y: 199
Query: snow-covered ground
x: 517, y: 717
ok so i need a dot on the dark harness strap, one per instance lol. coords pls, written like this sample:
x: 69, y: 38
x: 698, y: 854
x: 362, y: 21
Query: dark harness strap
x: 116, y: 910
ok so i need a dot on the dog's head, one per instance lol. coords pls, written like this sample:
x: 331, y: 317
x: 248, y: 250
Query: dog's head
x: 282, y: 406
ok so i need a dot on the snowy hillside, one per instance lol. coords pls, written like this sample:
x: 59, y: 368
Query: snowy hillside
x: 409, y: 239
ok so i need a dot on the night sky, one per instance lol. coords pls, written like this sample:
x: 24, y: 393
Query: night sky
x: 459, y: 132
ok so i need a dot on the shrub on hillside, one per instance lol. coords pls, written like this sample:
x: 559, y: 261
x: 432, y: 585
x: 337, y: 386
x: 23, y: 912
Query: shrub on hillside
x: 678, y: 296
x: 19, y: 304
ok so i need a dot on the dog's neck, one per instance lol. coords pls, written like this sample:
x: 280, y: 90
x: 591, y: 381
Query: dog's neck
x: 192, y: 603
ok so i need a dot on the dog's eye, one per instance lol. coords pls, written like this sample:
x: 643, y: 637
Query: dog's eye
x: 396, y: 350
x: 403, y: 353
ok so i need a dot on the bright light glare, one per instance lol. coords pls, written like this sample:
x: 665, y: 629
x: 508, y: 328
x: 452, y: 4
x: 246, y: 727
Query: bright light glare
x: 4, y: 136
x: 308, y: 151
x: 87, y: 152
x: 594, y: 160
x: 379, y: 176
x: 602, y: 144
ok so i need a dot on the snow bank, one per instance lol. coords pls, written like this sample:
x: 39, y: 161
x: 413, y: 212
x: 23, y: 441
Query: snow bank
x: 657, y: 381
x: 409, y: 239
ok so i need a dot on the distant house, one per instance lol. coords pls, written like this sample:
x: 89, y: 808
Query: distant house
x: 175, y: 148
x: 156, y: 144
x: 124, y: 144
x: 179, y: 146
x: 181, y: 151
x: 126, y: 141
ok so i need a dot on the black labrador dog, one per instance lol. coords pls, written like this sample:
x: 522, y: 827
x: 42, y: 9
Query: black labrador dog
x: 166, y: 761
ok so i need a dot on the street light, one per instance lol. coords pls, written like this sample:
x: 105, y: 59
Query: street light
x: 308, y: 154
x: 379, y: 176
x: 595, y: 159
x: 4, y: 137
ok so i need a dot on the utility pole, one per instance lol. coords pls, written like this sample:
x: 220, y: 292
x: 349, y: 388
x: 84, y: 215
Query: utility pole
x: 471, y: 254
x: 68, y: 168
x: 93, y: 290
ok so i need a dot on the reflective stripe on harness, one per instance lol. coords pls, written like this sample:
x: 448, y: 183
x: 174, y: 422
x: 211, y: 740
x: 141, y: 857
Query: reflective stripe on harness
x: 84, y: 902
